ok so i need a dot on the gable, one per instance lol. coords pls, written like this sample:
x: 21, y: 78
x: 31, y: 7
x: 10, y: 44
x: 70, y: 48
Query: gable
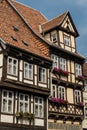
x: 68, y: 25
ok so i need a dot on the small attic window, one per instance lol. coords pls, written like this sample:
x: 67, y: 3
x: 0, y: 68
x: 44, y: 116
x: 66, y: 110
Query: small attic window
x: 14, y: 38
x: 15, y: 28
x: 25, y: 43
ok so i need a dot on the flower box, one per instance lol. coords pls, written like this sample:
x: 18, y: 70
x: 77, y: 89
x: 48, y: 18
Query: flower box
x: 80, y: 78
x: 59, y: 101
x: 80, y: 104
x: 24, y: 115
x: 60, y: 71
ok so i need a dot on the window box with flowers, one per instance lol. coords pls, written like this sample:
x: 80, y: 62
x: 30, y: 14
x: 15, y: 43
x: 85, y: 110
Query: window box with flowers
x: 59, y: 101
x: 80, y: 104
x: 25, y: 115
x: 80, y: 78
x: 60, y: 71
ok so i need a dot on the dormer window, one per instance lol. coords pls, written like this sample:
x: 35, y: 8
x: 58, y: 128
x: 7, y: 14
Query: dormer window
x: 67, y: 40
x: 54, y: 37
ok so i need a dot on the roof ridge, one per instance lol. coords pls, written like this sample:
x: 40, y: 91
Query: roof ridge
x: 30, y: 8
x: 55, y: 18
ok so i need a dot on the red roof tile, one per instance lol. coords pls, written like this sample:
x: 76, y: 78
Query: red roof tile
x: 9, y: 18
x: 53, y: 23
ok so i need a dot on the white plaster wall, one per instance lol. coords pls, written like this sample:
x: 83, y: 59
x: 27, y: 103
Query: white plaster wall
x: 1, y: 59
x: 0, y: 73
x: 11, y: 77
x: 27, y: 81
x: 35, y: 67
x: 35, y: 79
x: 42, y: 85
x: 21, y: 65
x: 20, y: 76
x: 39, y: 122
x: 6, y: 118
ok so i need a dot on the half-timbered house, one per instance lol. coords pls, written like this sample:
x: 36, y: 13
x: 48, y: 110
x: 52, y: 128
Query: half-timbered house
x: 65, y: 109
x: 29, y: 44
x: 24, y: 72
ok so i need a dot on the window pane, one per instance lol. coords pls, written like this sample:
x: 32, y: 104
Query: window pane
x: 4, y: 105
x: 40, y: 111
x: 21, y: 106
x: 9, y: 106
x: 36, y: 110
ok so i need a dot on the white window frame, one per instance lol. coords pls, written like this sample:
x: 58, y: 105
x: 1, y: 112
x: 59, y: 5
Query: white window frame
x: 42, y: 75
x: 7, y: 99
x: 11, y: 66
x: 77, y: 95
x: 78, y: 69
x: 61, y: 92
x: 23, y: 102
x: 85, y: 85
x: 54, y: 37
x: 54, y: 90
x: 62, y: 63
x: 55, y: 60
x: 39, y: 112
x: 28, y: 72
x: 67, y: 40
x: 85, y: 109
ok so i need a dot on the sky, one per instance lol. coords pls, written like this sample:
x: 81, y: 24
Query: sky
x: 77, y: 9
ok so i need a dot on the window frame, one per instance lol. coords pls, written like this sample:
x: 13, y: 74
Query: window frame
x: 78, y: 69
x: 23, y: 102
x: 55, y: 59
x: 38, y: 104
x: 85, y: 85
x: 63, y: 63
x: 54, y: 90
x: 42, y: 74
x: 54, y: 37
x: 67, y: 40
x: 85, y: 109
x: 77, y: 94
x: 61, y: 94
x: 7, y: 98
x: 12, y: 66
x: 28, y: 71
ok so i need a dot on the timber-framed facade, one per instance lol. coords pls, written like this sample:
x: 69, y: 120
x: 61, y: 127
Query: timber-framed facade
x: 41, y: 72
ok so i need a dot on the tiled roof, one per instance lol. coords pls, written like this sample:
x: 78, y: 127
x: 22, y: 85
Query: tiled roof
x: 9, y: 19
x: 53, y: 23
x: 32, y: 16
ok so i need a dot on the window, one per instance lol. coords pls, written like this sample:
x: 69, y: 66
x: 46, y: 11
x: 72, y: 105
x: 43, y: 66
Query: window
x: 38, y: 107
x: 12, y: 66
x: 7, y: 101
x: 55, y: 61
x: 28, y: 71
x: 77, y: 96
x: 67, y: 40
x: 54, y: 92
x: 61, y: 92
x: 54, y: 37
x: 85, y: 85
x: 42, y: 74
x: 63, y: 64
x: 23, y: 103
x: 85, y: 109
x: 78, y: 69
